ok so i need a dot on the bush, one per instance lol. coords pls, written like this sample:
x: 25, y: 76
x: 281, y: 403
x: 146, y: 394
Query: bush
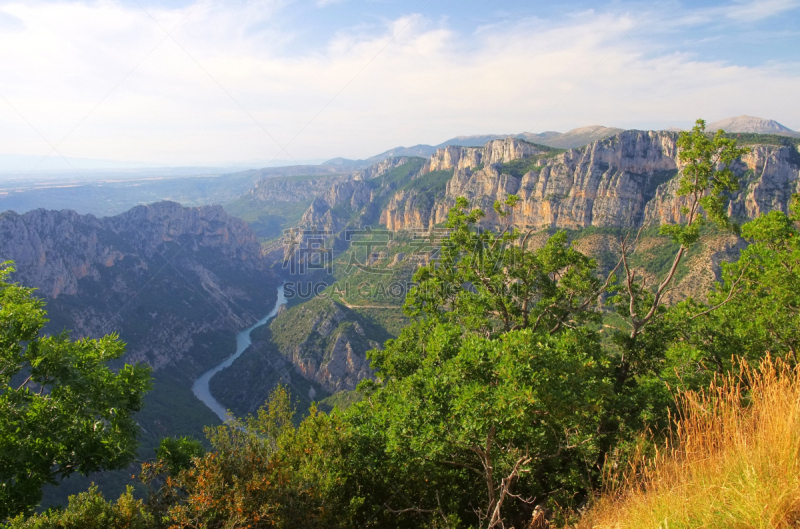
x: 89, y: 510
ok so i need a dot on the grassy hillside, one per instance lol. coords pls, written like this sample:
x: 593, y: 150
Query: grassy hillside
x: 734, y: 461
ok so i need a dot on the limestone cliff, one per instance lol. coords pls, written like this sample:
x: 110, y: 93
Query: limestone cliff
x: 360, y: 199
x: 332, y: 351
x: 621, y: 181
x: 495, y: 151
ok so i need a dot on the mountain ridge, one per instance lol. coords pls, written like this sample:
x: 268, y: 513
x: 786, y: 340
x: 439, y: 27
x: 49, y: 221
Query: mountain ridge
x: 573, y: 138
x: 751, y: 124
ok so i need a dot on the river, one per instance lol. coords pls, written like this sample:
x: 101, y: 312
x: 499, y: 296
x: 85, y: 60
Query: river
x: 200, y: 387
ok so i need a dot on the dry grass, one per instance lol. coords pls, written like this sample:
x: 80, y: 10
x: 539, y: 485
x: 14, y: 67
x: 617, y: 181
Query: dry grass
x: 733, y: 462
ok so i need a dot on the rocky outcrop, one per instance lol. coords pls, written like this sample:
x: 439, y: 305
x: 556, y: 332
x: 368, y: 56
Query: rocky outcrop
x: 358, y: 199
x: 495, y: 151
x: 330, y: 189
x: 768, y: 176
x: 383, y: 167
x: 409, y: 211
x: 161, y: 275
x: 333, y: 345
x: 316, y: 349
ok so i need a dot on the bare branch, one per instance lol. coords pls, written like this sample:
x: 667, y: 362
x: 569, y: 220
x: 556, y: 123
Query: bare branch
x: 25, y: 383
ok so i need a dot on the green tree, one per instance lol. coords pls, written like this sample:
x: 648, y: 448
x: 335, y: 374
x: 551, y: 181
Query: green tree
x: 265, y: 472
x: 89, y: 510
x: 754, y: 310
x: 704, y: 182
x: 62, y: 410
x: 484, y: 430
x: 487, y: 405
x: 491, y: 283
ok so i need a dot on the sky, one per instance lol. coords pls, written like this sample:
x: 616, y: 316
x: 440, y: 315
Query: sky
x: 220, y: 82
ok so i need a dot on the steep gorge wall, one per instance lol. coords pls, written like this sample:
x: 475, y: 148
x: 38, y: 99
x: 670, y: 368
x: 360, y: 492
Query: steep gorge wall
x: 161, y: 275
x: 621, y: 181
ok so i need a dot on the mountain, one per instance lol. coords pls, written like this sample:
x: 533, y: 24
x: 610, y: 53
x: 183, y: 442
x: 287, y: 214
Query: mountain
x: 176, y: 283
x: 575, y: 137
x: 753, y: 125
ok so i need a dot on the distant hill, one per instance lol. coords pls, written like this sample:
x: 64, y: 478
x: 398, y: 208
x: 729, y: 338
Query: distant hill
x: 574, y: 138
x: 752, y: 125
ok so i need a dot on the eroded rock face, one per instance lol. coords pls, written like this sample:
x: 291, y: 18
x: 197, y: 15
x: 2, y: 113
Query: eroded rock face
x: 333, y: 351
x: 381, y: 168
x: 768, y: 176
x: 621, y: 181
x: 356, y: 195
x: 162, y: 275
x: 495, y: 151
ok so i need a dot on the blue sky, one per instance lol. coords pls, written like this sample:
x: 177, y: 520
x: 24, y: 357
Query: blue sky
x: 219, y: 81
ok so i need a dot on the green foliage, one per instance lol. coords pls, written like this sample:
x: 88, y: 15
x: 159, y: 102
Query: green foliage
x: 341, y: 400
x: 495, y: 386
x: 705, y: 178
x: 62, y: 410
x: 463, y: 416
x: 89, y: 510
x: 264, y: 472
x: 756, y: 306
x: 178, y: 452
x: 509, y: 287
x: 519, y: 167
x: 429, y: 186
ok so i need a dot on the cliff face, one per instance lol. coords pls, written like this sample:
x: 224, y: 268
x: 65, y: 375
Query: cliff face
x: 621, y: 181
x: 768, y: 176
x: 333, y: 347
x: 160, y: 275
x: 359, y: 199
x: 495, y: 151
x: 383, y: 167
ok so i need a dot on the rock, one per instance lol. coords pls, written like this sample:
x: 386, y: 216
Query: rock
x: 495, y: 151
x: 197, y: 270
x: 622, y: 182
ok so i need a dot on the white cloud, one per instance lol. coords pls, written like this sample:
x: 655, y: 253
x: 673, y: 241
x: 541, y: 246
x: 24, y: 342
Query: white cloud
x: 760, y: 9
x: 413, y: 82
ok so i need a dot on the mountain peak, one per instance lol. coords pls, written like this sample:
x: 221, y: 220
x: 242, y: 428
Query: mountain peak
x: 752, y: 124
